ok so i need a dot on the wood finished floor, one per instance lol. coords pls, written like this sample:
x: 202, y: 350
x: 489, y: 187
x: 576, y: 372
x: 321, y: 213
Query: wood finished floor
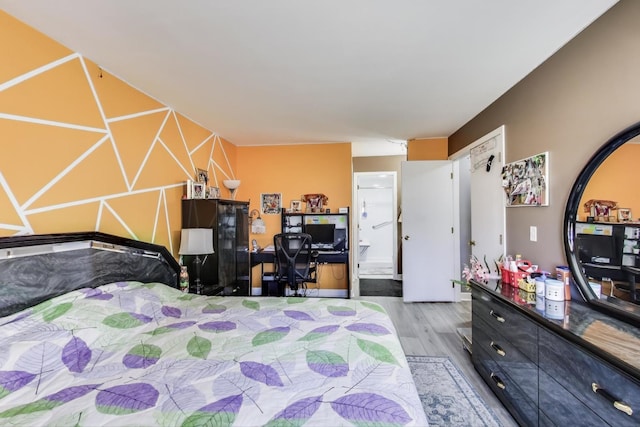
x: 431, y: 329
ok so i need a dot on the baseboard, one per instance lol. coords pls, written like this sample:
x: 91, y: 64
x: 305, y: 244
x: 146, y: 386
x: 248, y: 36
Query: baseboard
x: 312, y: 292
x: 465, y: 296
x: 375, y: 276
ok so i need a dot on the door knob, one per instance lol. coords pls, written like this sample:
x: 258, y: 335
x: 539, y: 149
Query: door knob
x: 406, y: 237
x: 472, y: 242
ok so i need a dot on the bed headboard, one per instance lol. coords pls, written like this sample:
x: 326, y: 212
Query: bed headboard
x: 35, y: 268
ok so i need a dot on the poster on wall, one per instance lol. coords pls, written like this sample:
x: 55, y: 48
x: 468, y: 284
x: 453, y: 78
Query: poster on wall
x: 526, y: 181
x: 271, y: 203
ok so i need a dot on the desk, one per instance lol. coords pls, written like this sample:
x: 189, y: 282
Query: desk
x: 632, y: 272
x: 268, y: 257
x: 623, y: 273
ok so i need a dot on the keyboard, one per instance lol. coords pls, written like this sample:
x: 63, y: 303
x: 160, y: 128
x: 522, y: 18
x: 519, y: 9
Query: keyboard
x: 320, y: 247
x: 328, y: 252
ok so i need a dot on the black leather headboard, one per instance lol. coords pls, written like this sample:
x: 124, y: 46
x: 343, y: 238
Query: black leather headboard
x: 35, y: 268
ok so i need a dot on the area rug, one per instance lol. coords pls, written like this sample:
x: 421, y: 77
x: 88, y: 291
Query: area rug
x: 447, y: 397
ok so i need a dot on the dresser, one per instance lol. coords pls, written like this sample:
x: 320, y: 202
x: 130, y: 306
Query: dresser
x: 555, y: 362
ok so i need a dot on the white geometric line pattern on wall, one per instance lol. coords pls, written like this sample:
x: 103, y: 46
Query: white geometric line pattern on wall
x: 110, y: 147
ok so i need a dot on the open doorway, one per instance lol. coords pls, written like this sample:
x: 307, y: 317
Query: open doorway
x: 375, y: 215
x: 462, y: 193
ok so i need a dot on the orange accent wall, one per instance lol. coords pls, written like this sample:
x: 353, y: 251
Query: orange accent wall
x: 82, y: 150
x: 620, y: 167
x: 428, y: 149
x: 294, y: 170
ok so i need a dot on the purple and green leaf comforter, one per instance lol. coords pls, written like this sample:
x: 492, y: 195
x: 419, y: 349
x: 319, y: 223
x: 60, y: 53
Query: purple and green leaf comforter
x: 146, y: 354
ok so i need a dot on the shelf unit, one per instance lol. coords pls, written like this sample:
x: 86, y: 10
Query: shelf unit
x: 226, y: 271
x: 297, y: 222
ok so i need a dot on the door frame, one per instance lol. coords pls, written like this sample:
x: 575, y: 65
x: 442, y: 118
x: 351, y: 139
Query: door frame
x: 455, y: 157
x: 355, y: 223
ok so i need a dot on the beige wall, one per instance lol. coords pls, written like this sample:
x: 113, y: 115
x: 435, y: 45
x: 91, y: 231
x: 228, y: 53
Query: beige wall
x: 569, y: 106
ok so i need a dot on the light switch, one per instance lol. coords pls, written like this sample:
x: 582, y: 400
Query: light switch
x: 533, y: 233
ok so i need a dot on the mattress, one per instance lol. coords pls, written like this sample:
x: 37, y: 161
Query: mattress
x: 139, y: 354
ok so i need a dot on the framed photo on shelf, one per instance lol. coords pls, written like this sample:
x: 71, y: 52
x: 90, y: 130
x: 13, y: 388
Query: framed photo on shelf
x: 213, y: 193
x: 202, y: 175
x: 271, y: 203
x: 198, y: 190
x: 624, y: 215
x: 296, y: 206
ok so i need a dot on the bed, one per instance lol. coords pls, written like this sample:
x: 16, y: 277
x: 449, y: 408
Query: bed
x: 113, y: 349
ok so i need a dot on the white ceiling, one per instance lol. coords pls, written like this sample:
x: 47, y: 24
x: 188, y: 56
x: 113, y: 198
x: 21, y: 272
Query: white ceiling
x: 301, y: 71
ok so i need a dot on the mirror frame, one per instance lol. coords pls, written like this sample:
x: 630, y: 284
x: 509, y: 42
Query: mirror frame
x: 623, y: 310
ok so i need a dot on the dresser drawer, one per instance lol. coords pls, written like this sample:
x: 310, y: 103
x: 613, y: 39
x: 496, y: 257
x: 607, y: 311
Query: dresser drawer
x: 579, y: 371
x: 517, y: 403
x: 561, y: 408
x: 507, y: 321
x: 519, y: 368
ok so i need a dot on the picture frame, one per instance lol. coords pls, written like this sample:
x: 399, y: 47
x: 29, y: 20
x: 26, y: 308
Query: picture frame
x: 213, y: 193
x: 526, y: 182
x: 271, y: 203
x: 202, y: 175
x: 198, y: 190
x: 624, y: 215
x: 296, y: 206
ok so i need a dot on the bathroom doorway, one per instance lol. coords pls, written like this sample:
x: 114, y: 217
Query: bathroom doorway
x: 377, y: 225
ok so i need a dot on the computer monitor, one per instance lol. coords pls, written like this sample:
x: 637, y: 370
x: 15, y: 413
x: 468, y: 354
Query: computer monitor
x: 321, y: 234
x: 597, y: 249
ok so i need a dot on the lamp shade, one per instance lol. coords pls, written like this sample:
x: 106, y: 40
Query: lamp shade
x: 258, y: 226
x: 196, y: 241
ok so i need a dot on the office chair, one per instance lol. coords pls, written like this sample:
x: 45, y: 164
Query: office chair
x: 295, y: 261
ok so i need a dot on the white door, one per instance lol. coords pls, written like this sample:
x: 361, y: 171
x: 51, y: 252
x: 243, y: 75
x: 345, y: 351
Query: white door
x: 487, y: 197
x: 428, y: 249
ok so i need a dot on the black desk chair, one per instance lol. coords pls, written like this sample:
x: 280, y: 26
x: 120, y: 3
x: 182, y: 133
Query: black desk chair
x: 295, y: 261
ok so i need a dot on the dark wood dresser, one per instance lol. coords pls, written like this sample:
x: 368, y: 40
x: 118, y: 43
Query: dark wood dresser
x: 555, y: 362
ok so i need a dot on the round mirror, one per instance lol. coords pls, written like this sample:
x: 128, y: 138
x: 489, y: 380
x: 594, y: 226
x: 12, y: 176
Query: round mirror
x: 601, y: 230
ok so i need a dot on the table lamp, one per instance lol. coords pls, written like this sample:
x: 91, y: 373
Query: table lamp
x: 196, y: 241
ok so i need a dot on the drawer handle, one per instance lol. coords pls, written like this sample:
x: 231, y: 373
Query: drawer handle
x: 497, y: 349
x: 497, y: 316
x: 619, y: 405
x: 496, y: 379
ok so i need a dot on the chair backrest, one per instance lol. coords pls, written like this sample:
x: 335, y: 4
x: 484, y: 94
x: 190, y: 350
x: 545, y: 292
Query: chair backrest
x: 293, y: 257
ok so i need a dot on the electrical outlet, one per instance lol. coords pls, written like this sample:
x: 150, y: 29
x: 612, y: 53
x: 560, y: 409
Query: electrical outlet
x: 533, y: 233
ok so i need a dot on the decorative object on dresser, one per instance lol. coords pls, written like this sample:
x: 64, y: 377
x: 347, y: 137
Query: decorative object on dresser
x: 196, y: 241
